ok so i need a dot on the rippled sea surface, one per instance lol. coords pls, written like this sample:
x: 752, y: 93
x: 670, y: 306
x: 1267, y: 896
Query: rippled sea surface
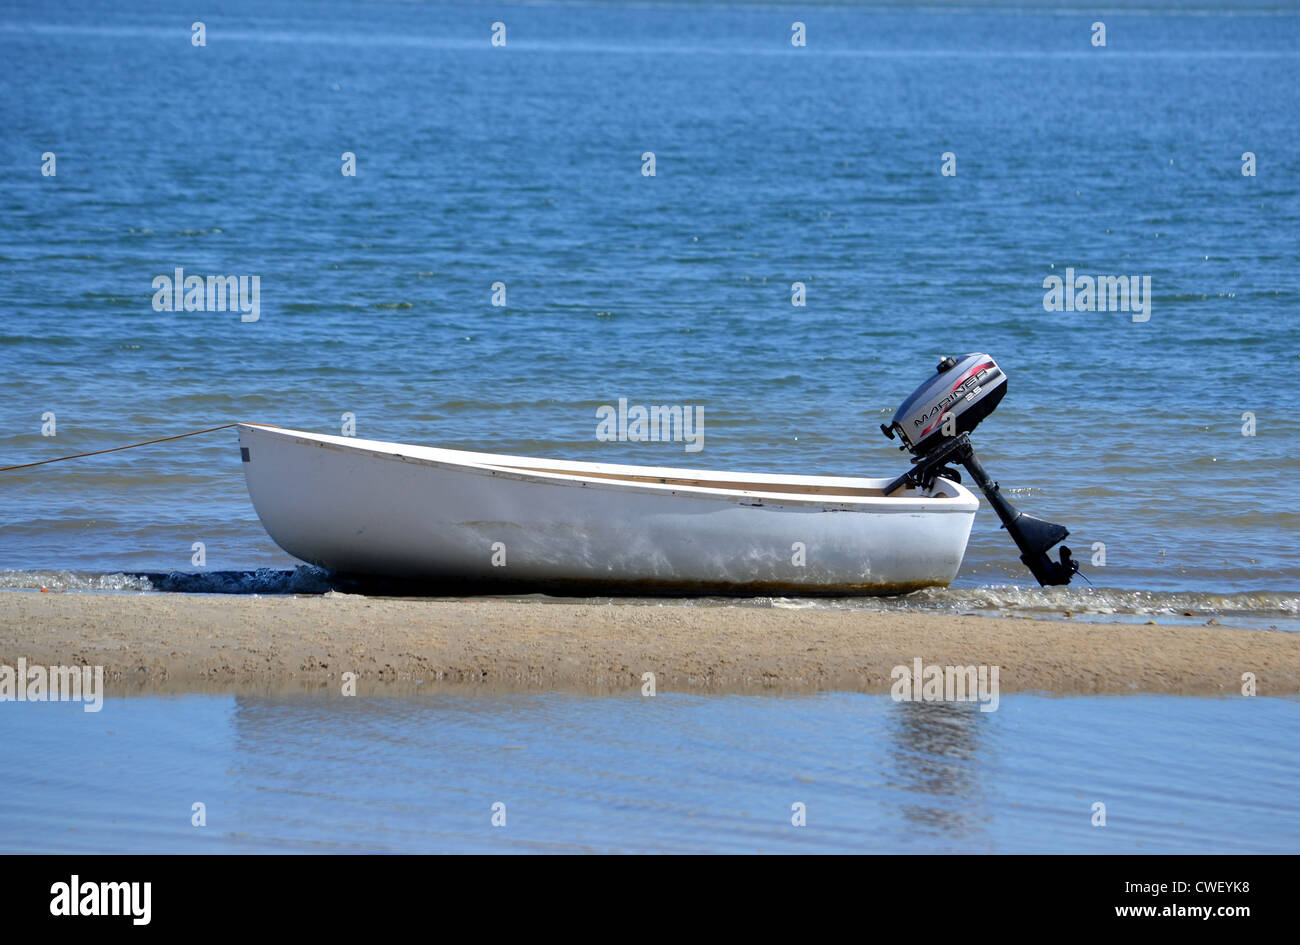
x: 522, y: 165
x: 671, y: 774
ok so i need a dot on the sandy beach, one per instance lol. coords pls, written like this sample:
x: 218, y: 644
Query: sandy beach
x: 197, y: 643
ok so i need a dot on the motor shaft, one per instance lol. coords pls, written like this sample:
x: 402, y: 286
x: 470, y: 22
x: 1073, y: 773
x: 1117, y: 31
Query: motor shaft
x: 1032, y: 536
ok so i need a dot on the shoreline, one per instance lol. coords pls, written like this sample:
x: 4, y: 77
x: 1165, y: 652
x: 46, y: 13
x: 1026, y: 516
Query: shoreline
x: 179, y: 643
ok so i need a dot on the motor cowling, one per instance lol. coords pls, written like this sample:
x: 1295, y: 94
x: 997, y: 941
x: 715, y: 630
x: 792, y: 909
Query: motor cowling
x: 965, y: 388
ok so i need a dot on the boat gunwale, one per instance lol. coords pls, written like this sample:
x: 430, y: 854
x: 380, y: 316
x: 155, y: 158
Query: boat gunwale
x: 962, y: 499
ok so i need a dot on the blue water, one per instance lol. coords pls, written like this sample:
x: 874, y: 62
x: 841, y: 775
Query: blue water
x: 675, y: 773
x: 774, y: 164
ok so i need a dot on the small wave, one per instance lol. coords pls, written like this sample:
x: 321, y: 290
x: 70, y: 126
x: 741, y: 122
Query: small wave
x: 304, y: 579
x: 1085, y: 601
x: 1094, y: 602
x: 73, y: 581
x: 786, y: 603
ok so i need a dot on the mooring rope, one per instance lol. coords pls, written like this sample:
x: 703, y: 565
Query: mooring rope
x: 129, y: 446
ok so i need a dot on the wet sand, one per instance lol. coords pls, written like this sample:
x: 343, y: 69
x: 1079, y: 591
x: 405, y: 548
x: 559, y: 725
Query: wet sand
x: 199, y: 643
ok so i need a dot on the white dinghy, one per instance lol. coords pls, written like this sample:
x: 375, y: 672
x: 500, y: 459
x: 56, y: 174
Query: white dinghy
x: 366, y: 507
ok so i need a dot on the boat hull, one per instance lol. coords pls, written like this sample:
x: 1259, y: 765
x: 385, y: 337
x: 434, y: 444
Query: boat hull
x: 450, y: 517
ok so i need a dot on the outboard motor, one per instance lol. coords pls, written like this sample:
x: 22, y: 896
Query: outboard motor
x: 935, y: 424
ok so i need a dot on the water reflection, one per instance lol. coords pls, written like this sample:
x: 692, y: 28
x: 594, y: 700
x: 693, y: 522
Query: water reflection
x: 442, y: 753
x: 934, y: 753
x: 678, y: 773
